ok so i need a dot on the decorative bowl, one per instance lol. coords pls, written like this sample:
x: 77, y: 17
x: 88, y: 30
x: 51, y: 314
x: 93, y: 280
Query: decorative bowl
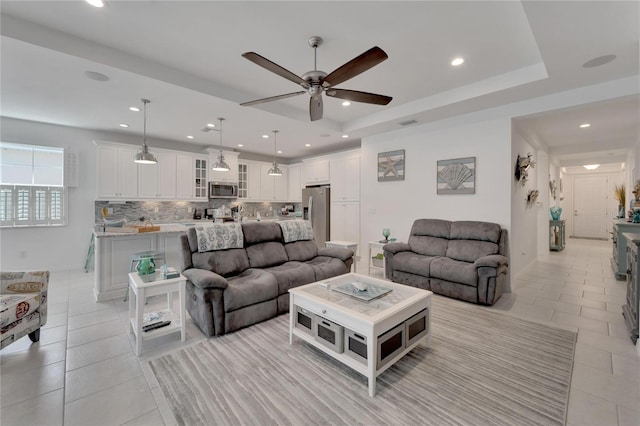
x: 360, y: 286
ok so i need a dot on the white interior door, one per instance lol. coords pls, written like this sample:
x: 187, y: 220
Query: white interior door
x: 590, y: 207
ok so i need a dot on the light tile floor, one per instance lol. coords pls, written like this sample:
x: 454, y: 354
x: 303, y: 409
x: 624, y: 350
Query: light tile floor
x: 84, y: 371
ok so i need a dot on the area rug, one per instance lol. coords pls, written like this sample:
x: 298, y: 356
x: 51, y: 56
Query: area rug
x: 483, y: 368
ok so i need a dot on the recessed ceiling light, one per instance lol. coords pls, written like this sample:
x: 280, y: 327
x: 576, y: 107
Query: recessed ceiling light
x: 240, y: 145
x: 279, y: 152
x: 457, y: 61
x: 346, y: 103
x: 124, y: 125
x: 345, y: 136
x: 307, y: 144
x: 591, y: 166
x: 96, y: 3
x: 189, y: 137
x: 265, y: 136
x: 600, y: 60
x: 585, y: 125
x: 97, y: 76
x: 211, y: 125
x: 134, y: 109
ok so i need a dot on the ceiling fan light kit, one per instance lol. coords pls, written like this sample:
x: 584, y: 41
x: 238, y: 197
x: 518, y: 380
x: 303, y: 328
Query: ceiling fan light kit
x: 274, y: 170
x: 220, y: 165
x: 143, y: 156
x: 317, y: 82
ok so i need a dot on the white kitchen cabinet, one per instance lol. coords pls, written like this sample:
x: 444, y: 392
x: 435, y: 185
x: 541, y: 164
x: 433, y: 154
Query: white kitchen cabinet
x: 345, y: 221
x: 231, y: 158
x: 295, y: 183
x: 315, y: 172
x: 273, y: 188
x: 345, y: 178
x: 158, y: 180
x: 191, y: 176
x: 117, y: 173
x: 253, y: 181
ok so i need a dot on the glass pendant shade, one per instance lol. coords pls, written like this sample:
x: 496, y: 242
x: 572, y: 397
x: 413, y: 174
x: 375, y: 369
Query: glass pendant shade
x: 274, y: 170
x: 220, y: 165
x: 143, y: 156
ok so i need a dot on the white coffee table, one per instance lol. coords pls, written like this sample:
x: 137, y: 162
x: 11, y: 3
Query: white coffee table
x: 375, y: 333
x: 139, y: 290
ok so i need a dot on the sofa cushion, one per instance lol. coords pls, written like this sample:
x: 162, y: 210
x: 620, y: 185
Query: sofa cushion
x: 219, y: 236
x: 261, y: 232
x: 327, y: 267
x: 222, y: 262
x: 472, y: 240
x: 411, y: 262
x: 470, y: 250
x: 291, y: 274
x: 16, y: 306
x: 251, y: 287
x: 263, y: 255
x: 301, y: 251
x: 430, y: 236
x: 454, y: 270
x: 296, y: 230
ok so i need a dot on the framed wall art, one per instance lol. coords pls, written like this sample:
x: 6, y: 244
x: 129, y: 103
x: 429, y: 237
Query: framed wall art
x: 457, y: 176
x: 391, y: 165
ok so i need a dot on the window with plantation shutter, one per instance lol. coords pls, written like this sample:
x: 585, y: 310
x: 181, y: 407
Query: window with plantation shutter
x: 31, y: 185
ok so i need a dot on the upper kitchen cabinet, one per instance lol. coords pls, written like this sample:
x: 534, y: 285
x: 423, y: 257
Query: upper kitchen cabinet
x: 231, y: 158
x: 158, y: 180
x: 191, y: 179
x: 117, y: 173
x: 315, y: 172
x: 345, y: 177
x: 295, y: 183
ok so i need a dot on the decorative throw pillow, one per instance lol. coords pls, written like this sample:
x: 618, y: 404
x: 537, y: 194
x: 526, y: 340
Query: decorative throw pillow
x: 296, y: 230
x: 219, y: 236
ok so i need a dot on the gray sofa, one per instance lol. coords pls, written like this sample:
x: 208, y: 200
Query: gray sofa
x: 233, y: 288
x: 466, y: 260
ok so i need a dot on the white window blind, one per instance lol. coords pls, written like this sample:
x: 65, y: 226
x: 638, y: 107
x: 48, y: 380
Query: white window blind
x: 31, y: 185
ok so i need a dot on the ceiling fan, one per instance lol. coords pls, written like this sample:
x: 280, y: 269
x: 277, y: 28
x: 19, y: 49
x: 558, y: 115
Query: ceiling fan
x: 316, y: 82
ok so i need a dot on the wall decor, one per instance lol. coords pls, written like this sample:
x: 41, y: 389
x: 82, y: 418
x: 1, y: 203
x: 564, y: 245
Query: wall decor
x: 532, y: 197
x: 391, y: 165
x: 457, y: 176
x: 553, y: 188
x: 523, y: 164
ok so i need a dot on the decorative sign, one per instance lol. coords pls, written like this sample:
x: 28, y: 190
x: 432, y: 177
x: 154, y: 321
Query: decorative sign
x: 391, y: 165
x: 457, y: 176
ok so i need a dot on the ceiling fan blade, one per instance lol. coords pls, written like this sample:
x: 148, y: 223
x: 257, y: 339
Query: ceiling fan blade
x: 272, y: 98
x: 275, y: 68
x: 360, y: 64
x: 356, y: 96
x: 315, y: 108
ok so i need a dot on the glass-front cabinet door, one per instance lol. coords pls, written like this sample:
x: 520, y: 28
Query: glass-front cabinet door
x: 242, y: 180
x: 200, y: 184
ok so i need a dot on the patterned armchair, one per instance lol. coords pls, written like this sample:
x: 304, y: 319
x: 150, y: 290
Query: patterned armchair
x: 23, y: 305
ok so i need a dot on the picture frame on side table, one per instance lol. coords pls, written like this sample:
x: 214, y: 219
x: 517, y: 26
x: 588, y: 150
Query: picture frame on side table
x: 457, y: 176
x: 391, y: 165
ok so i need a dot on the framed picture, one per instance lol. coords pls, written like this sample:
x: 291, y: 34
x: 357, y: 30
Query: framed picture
x: 391, y: 165
x: 457, y: 176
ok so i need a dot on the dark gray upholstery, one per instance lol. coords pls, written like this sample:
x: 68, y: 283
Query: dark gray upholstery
x: 467, y: 260
x: 235, y: 288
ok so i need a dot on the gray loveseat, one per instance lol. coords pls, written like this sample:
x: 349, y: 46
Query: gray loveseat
x: 228, y: 289
x: 466, y: 260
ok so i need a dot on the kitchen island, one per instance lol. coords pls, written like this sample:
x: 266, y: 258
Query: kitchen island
x: 113, y: 252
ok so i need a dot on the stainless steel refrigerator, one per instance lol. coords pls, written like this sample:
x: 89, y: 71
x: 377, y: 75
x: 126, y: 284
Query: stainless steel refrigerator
x: 315, y: 208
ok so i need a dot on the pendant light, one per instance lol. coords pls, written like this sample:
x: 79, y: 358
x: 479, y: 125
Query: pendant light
x: 220, y: 165
x: 144, y: 156
x: 274, y: 170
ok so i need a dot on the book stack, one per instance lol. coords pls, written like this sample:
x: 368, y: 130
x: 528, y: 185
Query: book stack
x: 169, y: 272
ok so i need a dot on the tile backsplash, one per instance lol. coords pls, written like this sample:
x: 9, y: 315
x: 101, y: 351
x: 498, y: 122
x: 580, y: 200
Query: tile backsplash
x: 181, y: 211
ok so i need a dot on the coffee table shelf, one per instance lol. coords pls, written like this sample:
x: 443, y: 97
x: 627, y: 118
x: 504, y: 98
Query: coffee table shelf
x: 372, y: 322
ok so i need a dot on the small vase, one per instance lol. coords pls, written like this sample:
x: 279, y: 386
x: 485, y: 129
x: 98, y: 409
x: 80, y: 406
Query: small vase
x: 146, y: 268
x: 555, y: 212
x: 620, y: 211
x: 636, y: 217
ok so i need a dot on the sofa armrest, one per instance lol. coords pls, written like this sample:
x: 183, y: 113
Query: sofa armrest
x: 341, y: 253
x: 396, y: 247
x: 204, y: 279
x: 493, y: 261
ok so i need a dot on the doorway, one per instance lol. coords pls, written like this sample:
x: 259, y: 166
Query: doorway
x: 590, y: 202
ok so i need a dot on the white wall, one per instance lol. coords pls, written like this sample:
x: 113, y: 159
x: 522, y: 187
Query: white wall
x: 397, y: 204
x: 59, y: 248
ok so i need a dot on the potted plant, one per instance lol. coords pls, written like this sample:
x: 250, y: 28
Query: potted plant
x: 620, y: 192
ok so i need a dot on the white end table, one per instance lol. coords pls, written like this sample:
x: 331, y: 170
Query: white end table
x: 139, y: 290
x: 345, y: 244
x: 375, y: 247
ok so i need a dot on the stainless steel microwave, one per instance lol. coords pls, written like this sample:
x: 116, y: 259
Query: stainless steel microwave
x: 223, y: 190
